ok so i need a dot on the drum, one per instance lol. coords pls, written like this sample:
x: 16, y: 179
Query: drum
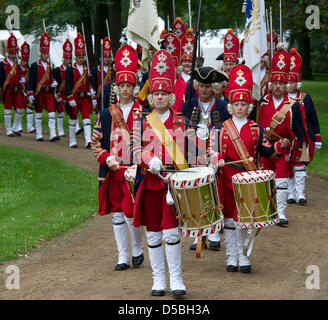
x: 130, y: 176
x: 255, y: 197
x: 196, y: 201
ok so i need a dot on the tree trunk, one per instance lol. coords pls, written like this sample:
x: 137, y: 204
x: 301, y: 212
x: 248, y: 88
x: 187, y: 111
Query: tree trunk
x: 115, y: 24
x: 304, y: 45
x: 88, y: 38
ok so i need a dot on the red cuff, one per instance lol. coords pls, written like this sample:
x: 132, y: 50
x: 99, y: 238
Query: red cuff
x: 30, y: 94
x: 70, y: 98
x: 277, y: 147
x: 317, y: 138
x: 103, y: 157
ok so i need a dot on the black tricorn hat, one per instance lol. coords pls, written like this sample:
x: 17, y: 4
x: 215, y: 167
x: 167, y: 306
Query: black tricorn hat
x: 210, y: 75
x: 220, y: 56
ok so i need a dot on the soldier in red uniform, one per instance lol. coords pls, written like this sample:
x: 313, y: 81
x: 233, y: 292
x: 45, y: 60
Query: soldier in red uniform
x: 153, y: 207
x: 59, y: 75
x: 312, y: 138
x: 96, y: 74
x: 25, y: 70
x: 41, y: 87
x: 239, y: 139
x: 110, y: 141
x: 77, y: 91
x: 11, y: 83
x: 280, y: 116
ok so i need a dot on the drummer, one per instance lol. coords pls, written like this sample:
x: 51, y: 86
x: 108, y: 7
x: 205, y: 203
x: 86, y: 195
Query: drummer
x: 109, y: 140
x: 153, y: 206
x: 239, y: 139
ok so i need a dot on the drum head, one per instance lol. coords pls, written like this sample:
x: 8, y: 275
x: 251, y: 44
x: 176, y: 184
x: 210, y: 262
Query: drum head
x: 199, y: 177
x: 253, y: 176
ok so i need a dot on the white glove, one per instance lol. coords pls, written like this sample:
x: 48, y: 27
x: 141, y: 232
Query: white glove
x: 317, y: 146
x: 22, y: 80
x: 54, y: 84
x: 31, y: 99
x: 202, y: 131
x: 94, y: 102
x: 91, y: 93
x: 59, y: 99
x: 72, y: 103
x: 155, y: 165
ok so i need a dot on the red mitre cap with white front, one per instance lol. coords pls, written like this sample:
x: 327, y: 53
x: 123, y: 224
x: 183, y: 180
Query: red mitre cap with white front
x: 231, y: 47
x: 12, y: 44
x: 107, y: 47
x: 295, y: 66
x: 187, y: 45
x: 67, y: 49
x: 280, y: 66
x: 162, y: 72
x: 25, y: 51
x: 240, y: 84
x: 45, y: 43
x: 172, y: 44
x: 179, y: 28
x: 126, y: 65
x: 79, y: 44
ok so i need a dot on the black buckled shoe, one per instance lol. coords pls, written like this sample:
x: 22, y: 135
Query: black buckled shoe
x: 302, y: 202
x: 158, y: 293
x: 10, y: 135
x: 231, y: 268
x: 122, y: 266
x: 17, y: 133
x: 245, y: 269
x: 79, y: 131
x: 214, y: 245
x: 137, y: 261
x: 291, y: 201
x: 177, y: 293
x: 73, y: 146
x: 53, y: 139
x: 194, y: 246
x: 39, y: 140
x: 282, y: 222
x: 88, y: 146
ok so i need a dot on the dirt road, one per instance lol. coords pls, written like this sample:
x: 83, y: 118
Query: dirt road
x: 80, y: 264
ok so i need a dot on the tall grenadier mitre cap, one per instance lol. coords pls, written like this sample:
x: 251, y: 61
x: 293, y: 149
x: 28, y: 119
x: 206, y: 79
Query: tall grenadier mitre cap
x: 231, y: 47
x: 162, y: 72
x: 79, y: 44
x: 173, y: 44
x: 45, y: 43
x: 107, y: 47
x: 179, y: 27
x: 67, y: 49
x: 280, y: 66
x: 240, y: 83
x: 187, y: 45
x: 12, y: 47
x: 295, y: 74
x: 25, y: 51
x: 126, y: 65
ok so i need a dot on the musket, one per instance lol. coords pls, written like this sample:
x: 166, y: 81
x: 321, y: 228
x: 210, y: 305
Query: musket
x: 108, y: 34
x: 192, y: 77
x: 86, y: 50
x: 102, y: 72
x: 271, y: 40
x: 280, y: 8
x: 45, y: 30
x: 173, y: 9
x: 189, y: 12
x: 168, y: 23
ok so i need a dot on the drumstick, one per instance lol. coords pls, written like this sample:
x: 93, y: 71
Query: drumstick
x: 237, y: 161
x: 272, y: 132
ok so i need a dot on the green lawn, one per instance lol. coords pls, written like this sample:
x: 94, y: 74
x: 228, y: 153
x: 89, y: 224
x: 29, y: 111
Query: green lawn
x: 40, y: 197
x: 318, y: 90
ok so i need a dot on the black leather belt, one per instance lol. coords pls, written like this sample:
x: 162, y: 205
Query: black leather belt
x: 15, y: 88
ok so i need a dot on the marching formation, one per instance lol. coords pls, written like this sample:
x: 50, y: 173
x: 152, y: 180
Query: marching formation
x: 179, y: 152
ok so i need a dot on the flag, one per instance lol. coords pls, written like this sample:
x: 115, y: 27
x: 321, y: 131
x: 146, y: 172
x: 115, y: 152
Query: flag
x: 143, y: 27
x: 255, y: 42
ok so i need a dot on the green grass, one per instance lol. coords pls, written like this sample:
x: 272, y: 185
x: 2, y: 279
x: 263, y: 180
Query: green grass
x: 40, y: 197
x: 318, y: 90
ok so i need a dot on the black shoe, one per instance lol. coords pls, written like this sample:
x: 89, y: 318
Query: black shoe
x: 57, y: 138
x: 282, y: 222
x: 121, y: 266
x: 73, y: 146
x: 158, y: 293
x: 39, y: 140
x: 177, y: 293
x: 245, y: 269
x: 302, y: 202
x: 194, y: 246
x: 231, y: 268
x: 62, y: 136
x: 79, y: 131
x: 32, y: 131
x: 291, y: 201
x: 88, y: 146
x: 214, y: 245
x: 10, y: 135
x: 18, y: 134
x: 53, y: 139
x: 137, y: 261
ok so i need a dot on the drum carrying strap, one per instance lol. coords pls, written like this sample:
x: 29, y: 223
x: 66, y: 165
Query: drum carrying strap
x: 167, y: 141
x: 238, y: 144
x: 10, y: 74
x: 118, y: 118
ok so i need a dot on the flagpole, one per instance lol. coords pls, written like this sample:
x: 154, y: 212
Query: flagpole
x: 189, y: 11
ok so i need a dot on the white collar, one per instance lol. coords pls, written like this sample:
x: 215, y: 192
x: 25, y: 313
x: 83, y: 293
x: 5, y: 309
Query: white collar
x: 44, y: 64
x: 164, y: 116
x: 185, y: 76
x: 10, y: 62
x: 126, y: 108
x: 239, y: 122
x: 277, y: 102
x: 292, y: 95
